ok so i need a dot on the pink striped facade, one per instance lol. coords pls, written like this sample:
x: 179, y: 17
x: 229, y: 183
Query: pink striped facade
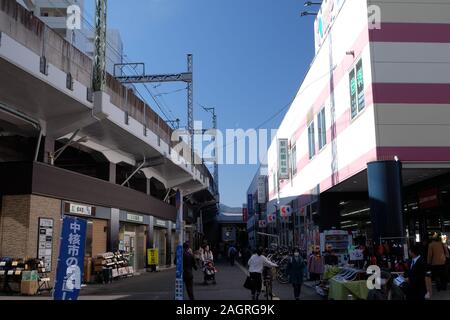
x: 406, y: 72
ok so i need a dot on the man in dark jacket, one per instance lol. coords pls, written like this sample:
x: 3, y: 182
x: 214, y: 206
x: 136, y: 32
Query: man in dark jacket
x: 295, y: 270
x: 188, y: 275
x: 416, y: 275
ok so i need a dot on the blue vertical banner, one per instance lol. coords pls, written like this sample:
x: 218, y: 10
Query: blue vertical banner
x: 250, y: 205
x: 179, y: 285
x: 69, y: 272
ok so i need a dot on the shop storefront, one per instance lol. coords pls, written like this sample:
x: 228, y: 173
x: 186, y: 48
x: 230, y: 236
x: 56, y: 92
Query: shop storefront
x: 132, y: 238
x: 163, y: 240
x: 97, y: 228
x: 427, y: 208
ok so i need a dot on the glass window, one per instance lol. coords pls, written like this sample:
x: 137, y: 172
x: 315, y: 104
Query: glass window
x: 311, y: 140
x: 294, y: 160
x: 360, y: 85
x: 353, y: 101
x: 322, y: 127
x: 357, y: 99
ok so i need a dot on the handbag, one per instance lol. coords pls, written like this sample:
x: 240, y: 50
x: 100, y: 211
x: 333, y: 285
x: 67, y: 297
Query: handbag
x: 248, y: 284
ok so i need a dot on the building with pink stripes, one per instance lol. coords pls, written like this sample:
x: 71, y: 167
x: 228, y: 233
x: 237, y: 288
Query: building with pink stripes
x: 367, y: 137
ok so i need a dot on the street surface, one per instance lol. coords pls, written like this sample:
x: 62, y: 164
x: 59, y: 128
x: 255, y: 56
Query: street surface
x: 160, y: 286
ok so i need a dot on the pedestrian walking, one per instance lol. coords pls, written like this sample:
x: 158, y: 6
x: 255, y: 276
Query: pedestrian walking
x: 295, y: 270
x: 315, y: 265
x: 188, y: 265
x: 246, y: 254
x: 415, y: 275
x: 256, y: 266
x: 232, y: 252
x: 437, y: 259
x: 330, y: 258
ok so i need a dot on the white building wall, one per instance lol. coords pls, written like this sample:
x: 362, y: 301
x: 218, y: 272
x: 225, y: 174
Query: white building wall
x: 356, y: 141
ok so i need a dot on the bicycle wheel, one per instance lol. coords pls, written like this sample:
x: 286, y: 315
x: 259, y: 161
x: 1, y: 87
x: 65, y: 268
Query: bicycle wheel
x: 267, y: 289
x: 282, y: 277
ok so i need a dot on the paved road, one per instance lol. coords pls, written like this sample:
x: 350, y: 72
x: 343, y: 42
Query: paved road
x: 160, y: 286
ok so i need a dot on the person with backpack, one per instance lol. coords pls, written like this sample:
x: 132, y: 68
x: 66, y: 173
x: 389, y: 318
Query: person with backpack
x: 232, y: 252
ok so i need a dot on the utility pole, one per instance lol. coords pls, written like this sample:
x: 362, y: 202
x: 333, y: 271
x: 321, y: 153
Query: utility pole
x: 216, y: 162
x: 190, y: 104
x: 99, y: 70
x: 186, y: 77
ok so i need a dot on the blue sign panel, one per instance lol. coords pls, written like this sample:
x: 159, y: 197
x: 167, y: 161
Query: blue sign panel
x: 179, y: 285
x: 69, y: 272
x: 250, y: 205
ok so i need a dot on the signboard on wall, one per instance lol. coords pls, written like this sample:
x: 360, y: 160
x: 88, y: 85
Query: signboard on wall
x: 79, y: 209
x: 135, y: 218
x: 160, y: 223
x: 283, y: 159
x: 245, y: 214
x: 250, y: 204
x: 429, y: 198
x: 325, y: 18
x: 272, y: 218
x: 286, y: 211
x: 45, y: 242
x: 261, y: 189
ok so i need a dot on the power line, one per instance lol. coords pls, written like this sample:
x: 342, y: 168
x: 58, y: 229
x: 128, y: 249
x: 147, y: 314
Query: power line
x: 92, y: 28
x: 280, y: 111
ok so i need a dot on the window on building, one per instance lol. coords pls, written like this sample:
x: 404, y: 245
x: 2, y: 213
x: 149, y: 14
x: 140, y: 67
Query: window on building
x: 53, y: 12
x: 311, y: 140
x: 294, y: 160
x: 275, y: 186
x: 360, y: 86
x: 322, y: 128
x: 357, y: 99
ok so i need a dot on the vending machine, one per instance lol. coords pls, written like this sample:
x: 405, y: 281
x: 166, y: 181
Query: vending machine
x: 340, y: 240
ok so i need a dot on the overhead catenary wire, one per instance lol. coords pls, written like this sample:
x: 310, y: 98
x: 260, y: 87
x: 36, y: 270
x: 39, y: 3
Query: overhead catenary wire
x: 92, y: 28
x: 286, y: 106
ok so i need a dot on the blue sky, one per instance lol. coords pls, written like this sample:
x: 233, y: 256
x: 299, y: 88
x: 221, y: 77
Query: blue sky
x: 250, y: 57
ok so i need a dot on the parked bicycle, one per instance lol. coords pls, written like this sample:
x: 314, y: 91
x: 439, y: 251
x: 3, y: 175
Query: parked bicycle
x: 280, y: 256
x: 268, y: 283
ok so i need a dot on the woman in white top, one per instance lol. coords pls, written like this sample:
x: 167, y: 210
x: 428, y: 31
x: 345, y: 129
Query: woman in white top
x: 206, y: 254
x: 256, y: 266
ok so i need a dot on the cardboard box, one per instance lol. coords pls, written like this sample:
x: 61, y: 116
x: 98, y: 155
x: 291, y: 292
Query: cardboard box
x: 29, y: 288
x: 30, y: 276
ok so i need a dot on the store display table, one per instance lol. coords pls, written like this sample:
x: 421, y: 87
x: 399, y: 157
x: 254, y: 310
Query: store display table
x: 340, y: 290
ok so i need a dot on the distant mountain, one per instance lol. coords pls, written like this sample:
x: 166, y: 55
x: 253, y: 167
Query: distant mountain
x: 225, y: 208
